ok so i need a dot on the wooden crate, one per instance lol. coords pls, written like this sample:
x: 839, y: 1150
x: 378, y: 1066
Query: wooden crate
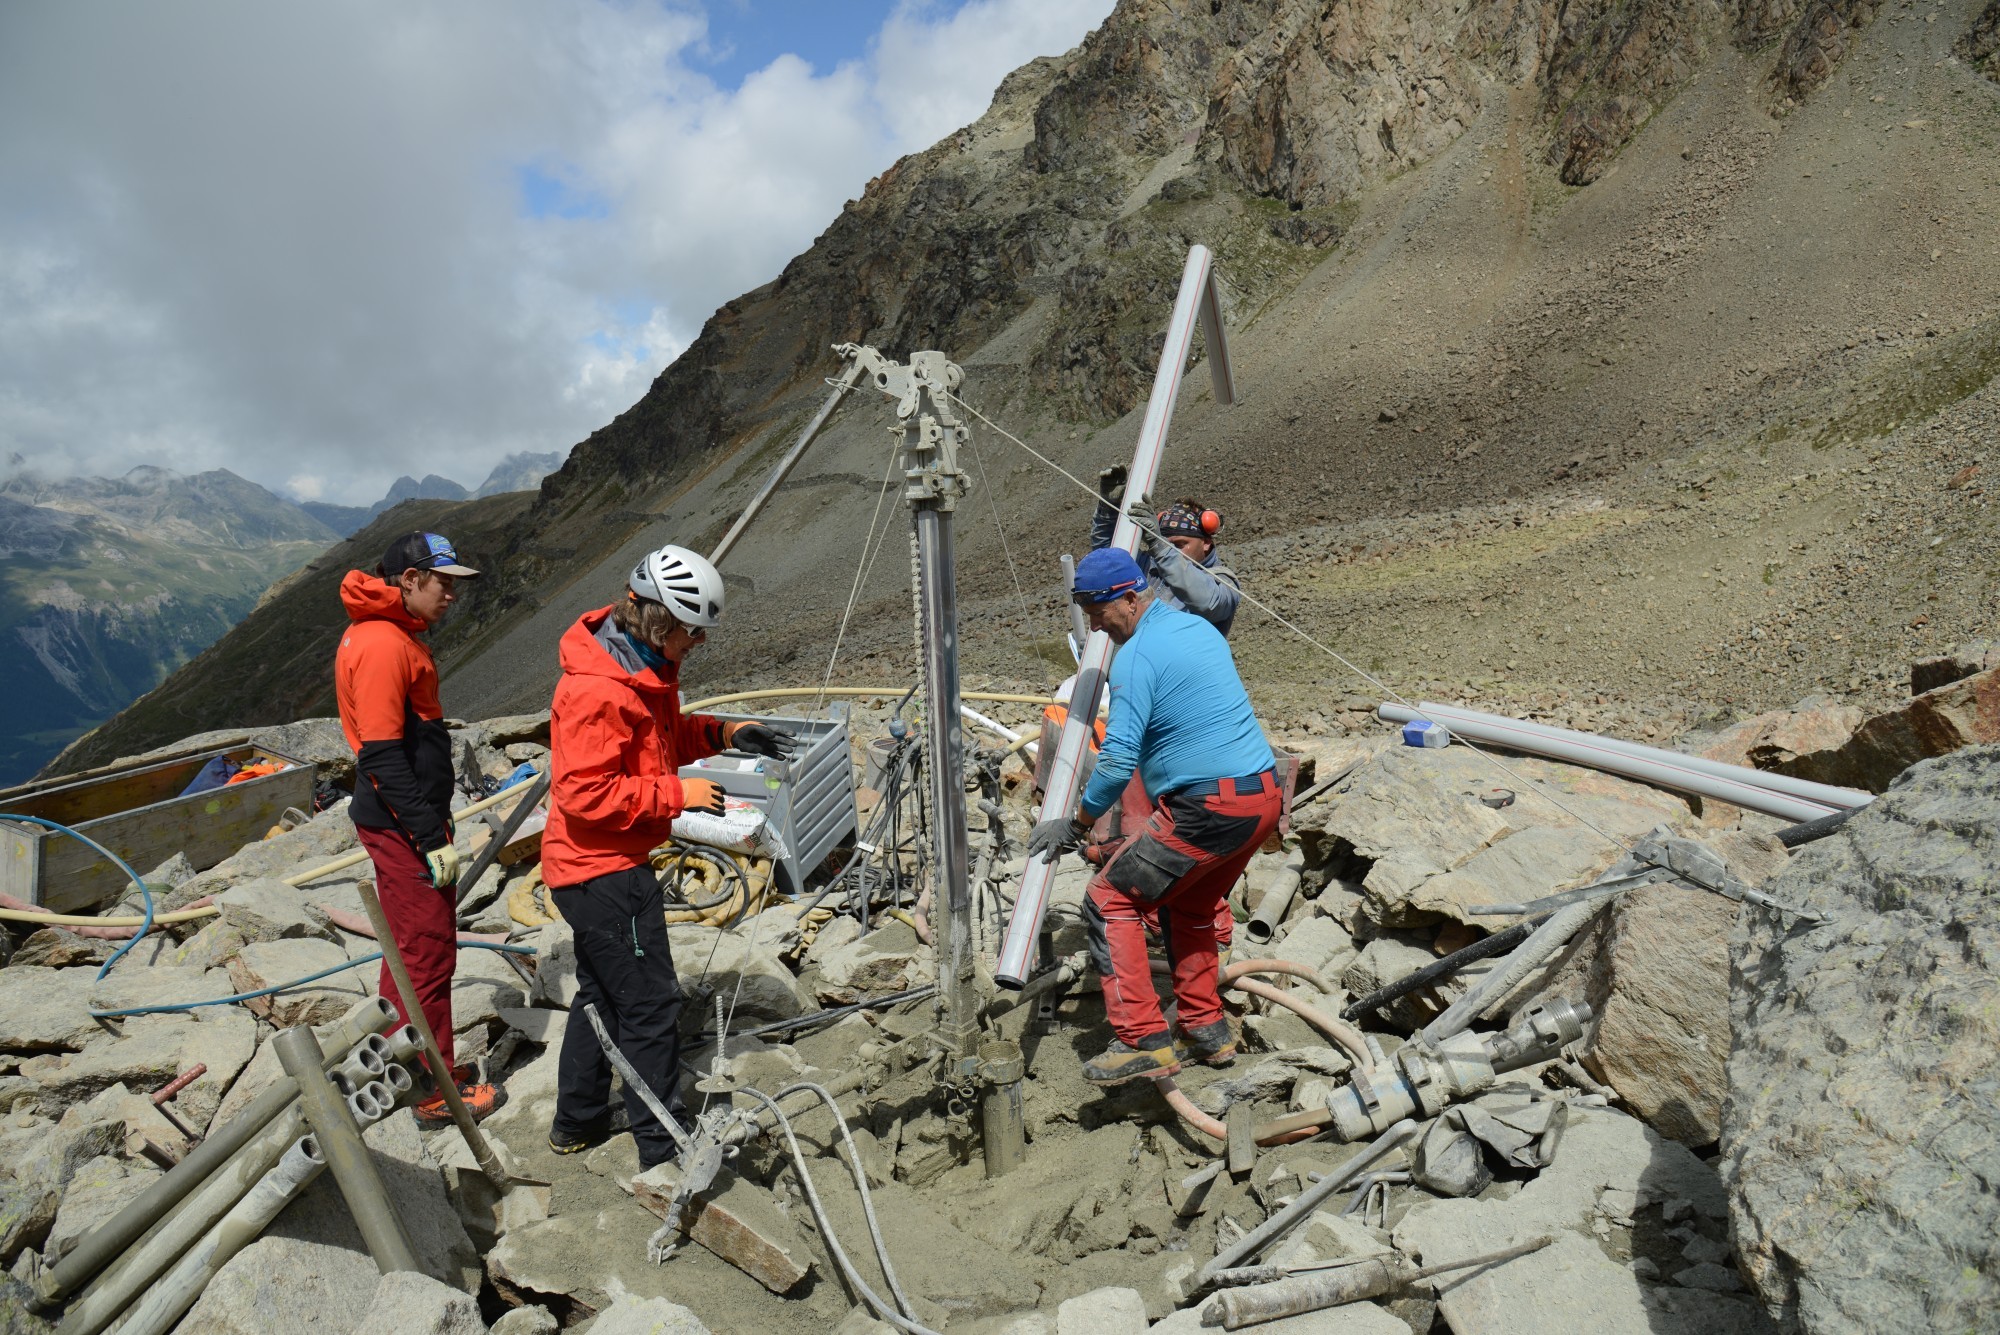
x: 139, y: 814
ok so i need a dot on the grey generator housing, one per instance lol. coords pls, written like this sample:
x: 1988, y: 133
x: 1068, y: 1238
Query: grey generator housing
x: 811, y: 808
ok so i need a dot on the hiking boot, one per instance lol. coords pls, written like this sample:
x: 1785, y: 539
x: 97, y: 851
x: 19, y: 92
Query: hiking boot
x: 480, y: 1100
x: 1211, y: 1044
x: 576, y: 1142
x: 1121, y: 1062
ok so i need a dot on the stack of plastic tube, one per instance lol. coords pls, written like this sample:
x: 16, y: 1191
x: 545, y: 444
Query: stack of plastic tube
x: 146, y: 1265
x: 1753, y: 789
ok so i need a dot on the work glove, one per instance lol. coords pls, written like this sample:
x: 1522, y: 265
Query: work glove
x: 1148, y: 523
x: 703, y: 795
x: 1111, y: 486
x: 760, y: 739
x: 442, y: 864
x: 1050, y: 839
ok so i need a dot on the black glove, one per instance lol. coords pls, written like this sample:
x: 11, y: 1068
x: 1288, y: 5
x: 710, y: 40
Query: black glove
x: 1050, y: 839
x: 1111, y: 485
x: 762, y: 740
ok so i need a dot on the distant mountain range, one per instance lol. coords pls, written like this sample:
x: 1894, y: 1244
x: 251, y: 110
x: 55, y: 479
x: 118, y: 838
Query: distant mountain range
x: 516, y: 472
x: 108, y: 585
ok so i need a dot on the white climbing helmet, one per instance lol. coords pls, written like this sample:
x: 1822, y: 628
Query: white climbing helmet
x: 684, y: 581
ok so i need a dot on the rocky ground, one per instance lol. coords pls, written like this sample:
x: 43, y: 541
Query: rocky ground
x: 1668, y: 1176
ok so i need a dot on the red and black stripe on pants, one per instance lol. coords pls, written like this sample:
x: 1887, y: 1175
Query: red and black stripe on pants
x: 424, y: 921
x: 1118, y: 827
x: 1179, y: 867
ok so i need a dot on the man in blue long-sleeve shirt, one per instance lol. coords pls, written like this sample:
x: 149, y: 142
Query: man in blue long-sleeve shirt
x: 1181, y: 719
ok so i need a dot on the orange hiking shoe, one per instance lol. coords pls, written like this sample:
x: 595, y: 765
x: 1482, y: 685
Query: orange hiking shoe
x: 480, y: 1100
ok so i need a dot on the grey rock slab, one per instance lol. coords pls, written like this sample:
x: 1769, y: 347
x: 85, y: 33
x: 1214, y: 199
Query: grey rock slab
x: 311, y: 1270
x: 44, y: 1010
x: 60, y: 948
x: 272, y: 963
x: 262, y: 908
x: 321, y: 839
x: 555, y: 967
x: 1319, y: 943
x: 407, y: 1303
x: 1861, y: 1134
x: 889, y: 959
x: 481, y: 986
x: 1109, y: 1311
x: 133, y: 986
x: 99, y: 1190
x: 1708, y: 1275
x: 647, y: 1316
x: 532, y: 1319
x: 1572, y: 1285
x: 741, y: 965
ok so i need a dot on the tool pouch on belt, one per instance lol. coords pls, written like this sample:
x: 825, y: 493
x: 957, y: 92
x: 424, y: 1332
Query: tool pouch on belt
x: 1147, y: 868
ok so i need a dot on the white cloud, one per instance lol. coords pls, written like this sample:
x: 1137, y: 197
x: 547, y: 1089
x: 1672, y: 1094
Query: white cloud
x: 289, y: 239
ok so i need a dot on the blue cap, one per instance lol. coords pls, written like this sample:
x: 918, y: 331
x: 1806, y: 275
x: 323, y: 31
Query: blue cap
x: 1107, y: 573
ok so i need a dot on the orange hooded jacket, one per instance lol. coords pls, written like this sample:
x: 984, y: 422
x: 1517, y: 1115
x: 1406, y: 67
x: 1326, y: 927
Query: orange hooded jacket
x: 387, y: 689
x: 617, y: 740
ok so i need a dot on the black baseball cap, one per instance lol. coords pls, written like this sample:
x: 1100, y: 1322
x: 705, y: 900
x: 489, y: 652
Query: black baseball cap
x: 423, y: 551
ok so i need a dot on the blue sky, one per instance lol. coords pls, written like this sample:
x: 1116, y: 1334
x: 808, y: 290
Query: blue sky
x: 325, y: 244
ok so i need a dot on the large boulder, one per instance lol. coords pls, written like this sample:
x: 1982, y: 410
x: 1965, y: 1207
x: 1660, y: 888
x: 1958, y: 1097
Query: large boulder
x: 1861, y: 1136
x: 1766, y: 741
x: 740, y: 964
x: 1959, y: 714
x: 1410, y: 826
x: 1654, y: 966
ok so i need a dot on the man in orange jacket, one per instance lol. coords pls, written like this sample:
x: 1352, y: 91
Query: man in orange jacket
x: 387, y: 689
x: 617, y: 740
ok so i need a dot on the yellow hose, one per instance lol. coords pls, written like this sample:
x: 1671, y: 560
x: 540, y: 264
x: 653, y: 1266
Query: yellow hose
x: 81, y: 920
x: 793, y: 692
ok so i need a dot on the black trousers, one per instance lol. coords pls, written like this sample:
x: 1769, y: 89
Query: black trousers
x: 625, y: 968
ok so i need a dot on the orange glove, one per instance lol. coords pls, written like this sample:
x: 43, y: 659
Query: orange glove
x: 701, y: 795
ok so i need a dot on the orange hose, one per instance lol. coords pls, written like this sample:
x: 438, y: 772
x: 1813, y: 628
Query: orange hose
x: 1242, y: 967
x: 1342, y: 1033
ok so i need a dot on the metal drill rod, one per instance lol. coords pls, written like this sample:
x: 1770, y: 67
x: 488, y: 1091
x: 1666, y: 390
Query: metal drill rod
x: 785, y: 465
x: 339, y: 1139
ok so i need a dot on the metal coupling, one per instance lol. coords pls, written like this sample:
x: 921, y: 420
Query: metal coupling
x: 1422, y: 1082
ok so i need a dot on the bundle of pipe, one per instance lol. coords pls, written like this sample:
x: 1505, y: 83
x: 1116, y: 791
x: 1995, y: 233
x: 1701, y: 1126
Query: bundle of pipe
x: 150, y: 1235
x: 1753, y: 789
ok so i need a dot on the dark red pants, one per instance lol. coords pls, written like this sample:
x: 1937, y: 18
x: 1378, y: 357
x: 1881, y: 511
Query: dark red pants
x: 424, y: 921
x: 1179, y: 866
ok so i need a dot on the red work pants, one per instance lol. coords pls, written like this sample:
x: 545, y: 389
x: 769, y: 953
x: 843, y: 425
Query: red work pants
x: 1180, y: 865
x: 424, y: 921
x: 1124, y: 822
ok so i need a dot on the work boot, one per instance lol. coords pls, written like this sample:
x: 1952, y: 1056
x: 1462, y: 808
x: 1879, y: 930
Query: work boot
x: 1211, y: 1044
x: 480, y: 1100
x: 576, y: 1142
x: 1121, y: 1061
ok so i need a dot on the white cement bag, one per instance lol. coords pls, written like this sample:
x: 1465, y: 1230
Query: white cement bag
x: 741, y: 828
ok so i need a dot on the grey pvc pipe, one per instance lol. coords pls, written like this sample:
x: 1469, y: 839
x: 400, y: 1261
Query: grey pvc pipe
x: 1199, y: 298
x: 1527, y: 957
x: 1307, y: 1201
x: 117, y: 1234
x: 1824, y: 794
x: 1277, y: 901
x: 167, y: 1301
x: 339, y: 1135
x: 1738, y: 792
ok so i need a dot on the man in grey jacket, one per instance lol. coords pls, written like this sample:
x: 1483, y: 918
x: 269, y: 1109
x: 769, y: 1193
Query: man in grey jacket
x: 1176, y: 550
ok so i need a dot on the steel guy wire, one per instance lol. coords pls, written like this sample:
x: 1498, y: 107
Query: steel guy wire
x: 861, y: 569
x: 1535, y: 786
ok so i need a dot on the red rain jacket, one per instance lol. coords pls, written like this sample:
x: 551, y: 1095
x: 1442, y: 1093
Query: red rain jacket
x: 616, y: 742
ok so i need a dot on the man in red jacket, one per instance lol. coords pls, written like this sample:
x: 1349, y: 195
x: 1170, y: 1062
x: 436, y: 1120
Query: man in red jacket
x: 617, y: 740
x: 387, y: 688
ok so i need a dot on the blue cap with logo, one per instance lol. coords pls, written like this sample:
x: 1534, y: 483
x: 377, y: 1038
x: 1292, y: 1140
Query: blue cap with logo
x: 423, y: 551
x: 1107, y: 573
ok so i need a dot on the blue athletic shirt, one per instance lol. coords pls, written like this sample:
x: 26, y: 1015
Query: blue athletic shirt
x: 1179, y: 713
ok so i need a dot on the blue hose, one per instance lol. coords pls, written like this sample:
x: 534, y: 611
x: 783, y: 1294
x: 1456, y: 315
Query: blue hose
x: 145, y: 892
x: 296, y: 982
